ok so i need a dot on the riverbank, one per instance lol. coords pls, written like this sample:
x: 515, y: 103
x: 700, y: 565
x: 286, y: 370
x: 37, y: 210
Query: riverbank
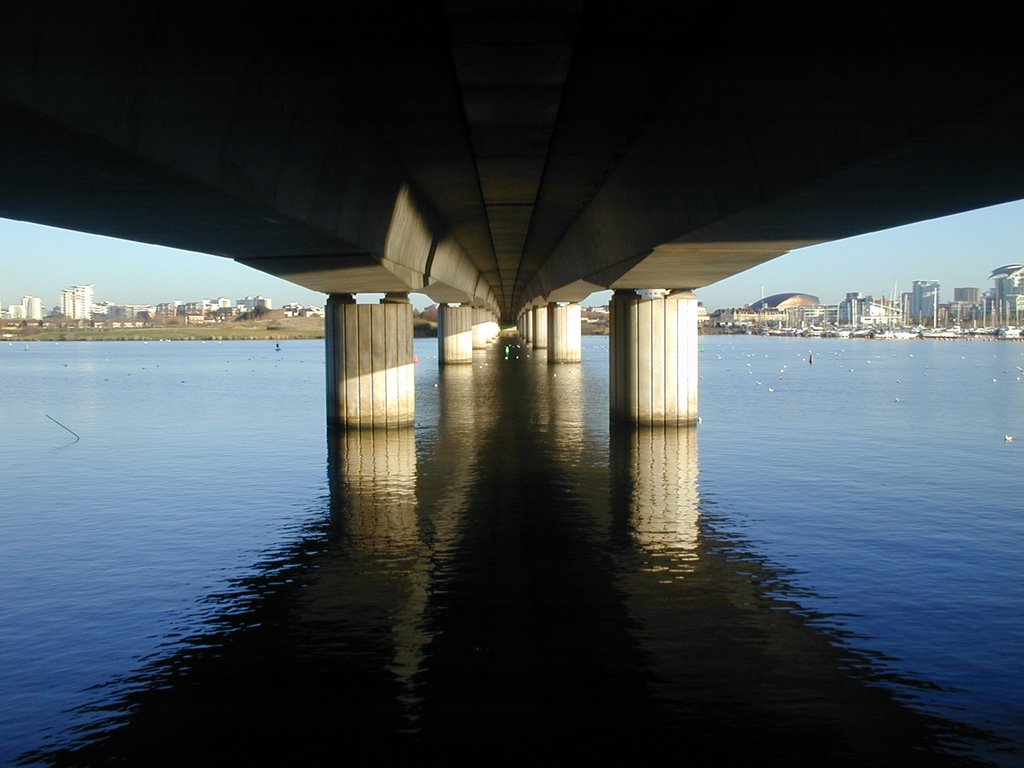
x: 272, y: 328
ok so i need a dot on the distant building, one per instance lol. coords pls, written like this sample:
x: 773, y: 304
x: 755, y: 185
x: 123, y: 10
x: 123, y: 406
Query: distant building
x: 76, y: 302
x: 967, y: 295
x: 167, y: 309
x: 299, y: 310
x: 783, y: 301
x: 966, y: 305
x: 31, y: 308
x: 249, y: 303
x: 1008, y: 292
x: 780, y: 310
x: 857, y: 309
x: 851, y: 309
x: 924, y: 300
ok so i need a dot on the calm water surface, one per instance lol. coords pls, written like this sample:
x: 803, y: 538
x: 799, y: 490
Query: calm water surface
x: 827, y: 570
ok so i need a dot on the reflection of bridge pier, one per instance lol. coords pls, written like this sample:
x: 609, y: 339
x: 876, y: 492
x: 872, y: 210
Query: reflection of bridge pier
x: 656, y: 468
x: 374, y: 504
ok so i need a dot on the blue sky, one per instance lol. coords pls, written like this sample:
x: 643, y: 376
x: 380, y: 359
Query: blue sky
x: 958, y: 251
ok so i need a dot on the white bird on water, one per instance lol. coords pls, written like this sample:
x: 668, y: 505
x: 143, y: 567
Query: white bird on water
x: 1008, y: 438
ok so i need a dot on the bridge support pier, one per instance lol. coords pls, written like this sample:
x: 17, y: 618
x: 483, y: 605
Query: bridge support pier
x: 565, y: 342
x: 653, y: 357
x: 540, y: 327
x: 455, y: 334
x: 369, y: 362
x: 483, y: 327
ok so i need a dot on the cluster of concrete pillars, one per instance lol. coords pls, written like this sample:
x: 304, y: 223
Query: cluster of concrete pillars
x: 460, y: 330
x: 653, y: 354
x: 555, y: 328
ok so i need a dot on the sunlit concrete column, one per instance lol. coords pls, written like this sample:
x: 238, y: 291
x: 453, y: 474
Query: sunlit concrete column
x: 540, y: 327
x: 653, y: 357
x: 565, y: 340
x: 481, y: 327
x: 369, y: 362
x: 454, y: 334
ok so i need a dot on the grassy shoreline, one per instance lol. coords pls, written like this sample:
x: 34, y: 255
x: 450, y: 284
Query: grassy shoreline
x: 273, y: 329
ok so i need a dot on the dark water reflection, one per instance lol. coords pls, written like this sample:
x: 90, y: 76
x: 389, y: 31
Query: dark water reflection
x: 504, y: 585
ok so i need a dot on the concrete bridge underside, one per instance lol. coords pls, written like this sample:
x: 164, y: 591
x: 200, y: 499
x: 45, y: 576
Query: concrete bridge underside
x: 505, y: 158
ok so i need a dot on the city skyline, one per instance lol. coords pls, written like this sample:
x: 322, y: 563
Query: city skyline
x: 957, y: 251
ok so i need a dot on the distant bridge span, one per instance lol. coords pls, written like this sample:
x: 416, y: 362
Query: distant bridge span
x: 505, y: 159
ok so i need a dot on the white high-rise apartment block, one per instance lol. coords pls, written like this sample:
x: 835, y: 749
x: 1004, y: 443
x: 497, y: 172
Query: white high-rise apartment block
x: 32, y: 307
x: 924, y: 300
x: 76, y: 302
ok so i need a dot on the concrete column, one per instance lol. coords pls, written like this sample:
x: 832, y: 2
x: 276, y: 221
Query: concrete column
x: 528, y: 325
x: 565, y: 340
x: 369, y: 362
x: 480, y: 328
x: 454, y: 334
x: 653, y: 357
x: 540, y: 327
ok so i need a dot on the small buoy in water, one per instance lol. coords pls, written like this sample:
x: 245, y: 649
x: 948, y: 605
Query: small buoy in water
x: 415, y: 358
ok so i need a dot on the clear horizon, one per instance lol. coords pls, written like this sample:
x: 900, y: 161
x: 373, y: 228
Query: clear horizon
x: 959, y: 251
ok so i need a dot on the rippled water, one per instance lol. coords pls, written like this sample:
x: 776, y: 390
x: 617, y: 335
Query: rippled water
x: 828, y: 568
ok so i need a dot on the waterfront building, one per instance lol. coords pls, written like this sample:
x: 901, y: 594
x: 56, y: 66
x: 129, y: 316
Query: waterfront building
x: 104, y: 308
x: 250, y: 303
x: 76, y: 302
x: 167, y: 309
x: 1008, y: 293
x: 32, y: 307
x: 788, y: 310
x: 851, y: 309
x: 136, y: 311
x: 967, y: 295
x: 924, y: 301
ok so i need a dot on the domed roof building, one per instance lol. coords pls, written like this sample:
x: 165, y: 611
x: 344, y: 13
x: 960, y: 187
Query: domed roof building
x: 1008, y: 283
x: 1008, y: 270
x: 785, y: 301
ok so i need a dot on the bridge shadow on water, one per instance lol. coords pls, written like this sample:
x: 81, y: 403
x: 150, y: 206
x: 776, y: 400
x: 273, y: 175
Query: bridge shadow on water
x: 511, y: 584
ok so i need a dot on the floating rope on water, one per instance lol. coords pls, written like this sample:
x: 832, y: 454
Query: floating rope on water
x: 77, y: 438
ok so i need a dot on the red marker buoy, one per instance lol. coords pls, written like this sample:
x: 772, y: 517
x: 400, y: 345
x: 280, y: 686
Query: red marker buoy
x: 415, y: 358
